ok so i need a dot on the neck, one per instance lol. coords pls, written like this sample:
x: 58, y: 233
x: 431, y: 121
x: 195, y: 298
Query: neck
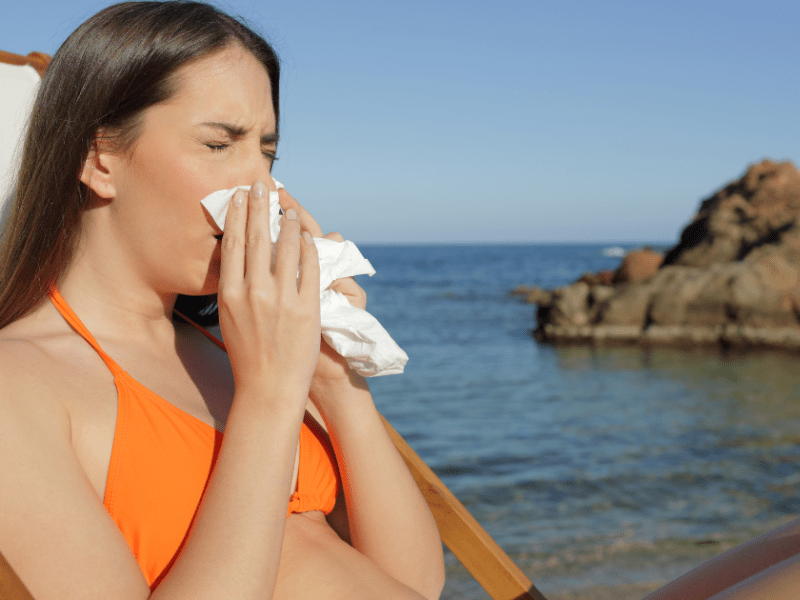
x: 118, y: 310
x: 103, y: 286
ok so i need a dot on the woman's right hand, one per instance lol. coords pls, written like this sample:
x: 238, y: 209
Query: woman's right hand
x: 270, y: 320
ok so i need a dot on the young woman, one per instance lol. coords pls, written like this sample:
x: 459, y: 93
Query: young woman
x: 116, y: 481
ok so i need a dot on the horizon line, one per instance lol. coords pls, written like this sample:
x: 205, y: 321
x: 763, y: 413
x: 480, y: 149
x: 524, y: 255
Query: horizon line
x: 522, y: 243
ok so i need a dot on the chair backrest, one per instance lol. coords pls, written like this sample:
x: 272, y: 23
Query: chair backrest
x: 19, y: 80
x: 38, y: 60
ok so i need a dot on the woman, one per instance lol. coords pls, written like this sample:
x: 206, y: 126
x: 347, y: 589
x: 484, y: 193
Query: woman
x: 111, y: 411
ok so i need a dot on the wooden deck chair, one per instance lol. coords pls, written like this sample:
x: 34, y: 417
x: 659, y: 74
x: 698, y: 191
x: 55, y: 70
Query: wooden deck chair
x: 20, y: 76
x: 459, y: 530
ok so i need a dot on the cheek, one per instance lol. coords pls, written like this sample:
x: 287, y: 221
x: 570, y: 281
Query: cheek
x: 191, y: 179
x: 170, y: 184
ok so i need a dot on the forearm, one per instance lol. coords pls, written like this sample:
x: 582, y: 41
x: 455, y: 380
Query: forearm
x: 271, y: 326
x: 235, y: 544
x: 389, y: 520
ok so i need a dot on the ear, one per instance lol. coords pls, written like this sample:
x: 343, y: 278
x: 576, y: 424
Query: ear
x: 99, y: 169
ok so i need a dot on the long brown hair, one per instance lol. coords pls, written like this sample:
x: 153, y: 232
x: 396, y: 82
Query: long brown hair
x: 113, y: 67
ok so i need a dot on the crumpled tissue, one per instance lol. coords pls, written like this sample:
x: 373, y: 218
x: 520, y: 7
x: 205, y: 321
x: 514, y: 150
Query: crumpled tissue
x: 351, y: 331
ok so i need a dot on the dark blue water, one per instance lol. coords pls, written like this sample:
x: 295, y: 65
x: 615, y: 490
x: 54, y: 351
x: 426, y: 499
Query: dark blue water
x: 588, y: 465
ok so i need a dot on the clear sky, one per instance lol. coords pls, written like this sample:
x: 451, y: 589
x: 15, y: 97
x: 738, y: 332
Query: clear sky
x: 511, y: 121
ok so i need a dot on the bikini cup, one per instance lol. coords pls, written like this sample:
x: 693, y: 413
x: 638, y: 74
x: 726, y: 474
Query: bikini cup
x: 161, y: 461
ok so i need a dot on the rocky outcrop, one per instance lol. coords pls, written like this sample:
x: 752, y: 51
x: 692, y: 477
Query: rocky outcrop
x: 732, y: 279
x: 638, y: 266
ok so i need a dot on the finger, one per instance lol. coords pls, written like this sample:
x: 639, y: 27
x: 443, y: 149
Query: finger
x: 307, y: 222
x: 308, y: 287
x: 354, y: 293
x: 258, y: 244
x: 233, y: 241
x: 334, y: 236
x: 288, y: 253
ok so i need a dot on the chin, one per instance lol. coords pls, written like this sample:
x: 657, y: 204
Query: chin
x: 210, y: 286
x: 203, y: 284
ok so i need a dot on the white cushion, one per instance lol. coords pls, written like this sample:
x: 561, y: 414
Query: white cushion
x: 18, y: 85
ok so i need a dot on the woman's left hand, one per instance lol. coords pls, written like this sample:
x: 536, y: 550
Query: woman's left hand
x: 331, y: 369
x: 376, y: 481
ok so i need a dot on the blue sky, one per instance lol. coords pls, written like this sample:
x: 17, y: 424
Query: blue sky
x: 507, y: 121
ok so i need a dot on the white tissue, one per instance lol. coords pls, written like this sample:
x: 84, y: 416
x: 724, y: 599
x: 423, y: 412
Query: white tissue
x: 351, y: 331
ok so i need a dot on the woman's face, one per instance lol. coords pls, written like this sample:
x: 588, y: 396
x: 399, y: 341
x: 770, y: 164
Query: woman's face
x: 218, y: 131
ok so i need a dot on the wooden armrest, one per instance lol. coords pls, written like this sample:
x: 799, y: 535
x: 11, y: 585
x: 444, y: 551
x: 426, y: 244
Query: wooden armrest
x: 467, y: 540
x: 11, y: 588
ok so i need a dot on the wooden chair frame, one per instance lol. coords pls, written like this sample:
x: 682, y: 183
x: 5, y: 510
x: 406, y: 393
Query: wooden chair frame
x: 38, y: 60
x: 459, y: 530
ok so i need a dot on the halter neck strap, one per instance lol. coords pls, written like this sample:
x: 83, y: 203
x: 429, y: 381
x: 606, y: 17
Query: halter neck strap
x: 71, y: 318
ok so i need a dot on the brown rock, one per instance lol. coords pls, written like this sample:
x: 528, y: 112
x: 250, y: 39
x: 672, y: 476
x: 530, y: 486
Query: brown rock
x: 637, y: 266
x: 532, y: 295
x: 605, y: 277
x: 675, y: 300
x: 600, y: 278
x: 628, y: 306
x: 568, y: 307
x: 755, y: 210
x: 733, y: 278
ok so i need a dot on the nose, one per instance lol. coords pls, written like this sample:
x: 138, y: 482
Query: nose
x: 254, y: 165
x: 248, y: 165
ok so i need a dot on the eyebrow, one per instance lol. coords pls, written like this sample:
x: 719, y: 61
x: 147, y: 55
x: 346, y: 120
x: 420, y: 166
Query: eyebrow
x: 236, y: 132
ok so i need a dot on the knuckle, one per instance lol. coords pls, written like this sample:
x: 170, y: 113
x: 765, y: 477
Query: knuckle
x: 289, y: 232
x: 256, y: 238
x: 312, y: 254
x: 230, y: 242
x: 257, y: 294
x: 335, y: 236
x: 288, y: 301
x: 258, y: 200
x: 305, y: 310
x: 311, y: 269
x: 228, y: 296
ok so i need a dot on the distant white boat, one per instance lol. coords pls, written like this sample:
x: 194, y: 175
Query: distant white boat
x: 614, y: 251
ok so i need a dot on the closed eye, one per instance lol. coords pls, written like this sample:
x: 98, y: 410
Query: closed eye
x: 218, y: 147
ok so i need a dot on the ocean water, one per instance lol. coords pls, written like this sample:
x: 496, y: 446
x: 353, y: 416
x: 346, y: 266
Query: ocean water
x: 619, y: 466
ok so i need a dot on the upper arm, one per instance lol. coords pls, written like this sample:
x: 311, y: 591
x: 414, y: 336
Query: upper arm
x: 337, y: 518
x: 54, y: 530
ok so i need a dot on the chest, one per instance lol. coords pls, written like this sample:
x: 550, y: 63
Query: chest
x: 181, y: 399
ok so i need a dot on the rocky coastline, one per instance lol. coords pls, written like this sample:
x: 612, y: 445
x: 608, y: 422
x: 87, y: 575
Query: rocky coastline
x: 732, y: 280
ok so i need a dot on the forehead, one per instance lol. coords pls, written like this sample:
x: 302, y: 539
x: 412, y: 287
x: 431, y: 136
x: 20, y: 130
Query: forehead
x: 228, y: 86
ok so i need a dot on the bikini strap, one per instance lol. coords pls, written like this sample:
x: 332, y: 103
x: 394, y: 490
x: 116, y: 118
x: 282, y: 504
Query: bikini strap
x: 77, y: 325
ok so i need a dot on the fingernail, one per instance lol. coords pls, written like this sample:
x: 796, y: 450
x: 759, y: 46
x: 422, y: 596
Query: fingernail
x: 291, y: 214
x: 307, y: 236
x: 238, y: 198
x: 258, y: 189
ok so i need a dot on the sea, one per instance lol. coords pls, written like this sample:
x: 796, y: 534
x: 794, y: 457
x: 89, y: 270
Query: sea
x: 601, y: 471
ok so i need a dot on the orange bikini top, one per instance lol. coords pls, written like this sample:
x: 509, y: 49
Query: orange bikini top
x: 161, y: 461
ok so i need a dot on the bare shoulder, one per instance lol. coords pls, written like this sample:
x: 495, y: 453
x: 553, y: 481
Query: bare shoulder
x: 47, y: 503
x: 43, y: 355
x: 25, y: 365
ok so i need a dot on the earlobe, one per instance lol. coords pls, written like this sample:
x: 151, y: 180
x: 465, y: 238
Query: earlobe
x: 98, y: 172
